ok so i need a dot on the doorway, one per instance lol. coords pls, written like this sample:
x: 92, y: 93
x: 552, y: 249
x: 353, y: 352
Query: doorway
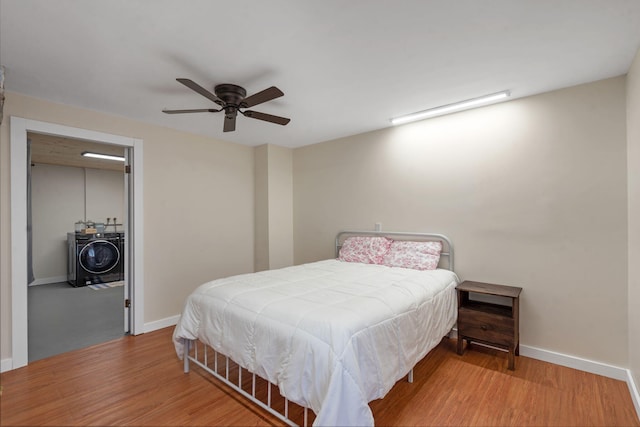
x: 76, y: 287
x: 133, y: 274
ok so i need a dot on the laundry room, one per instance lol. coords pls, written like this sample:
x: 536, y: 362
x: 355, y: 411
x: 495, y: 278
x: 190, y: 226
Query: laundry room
x: 70, y: 193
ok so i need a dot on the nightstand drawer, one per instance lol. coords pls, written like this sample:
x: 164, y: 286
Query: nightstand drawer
x: 487, y: 327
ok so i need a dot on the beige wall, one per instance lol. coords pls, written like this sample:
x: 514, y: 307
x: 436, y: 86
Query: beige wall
x: 532, y: 192
x: 274, y: 207
x: 261, y: 169
x: 280, y: 207
x: 633, y: 165
x: 198, y: 206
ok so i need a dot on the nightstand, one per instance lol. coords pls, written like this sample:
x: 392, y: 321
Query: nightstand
x: 489, y: 323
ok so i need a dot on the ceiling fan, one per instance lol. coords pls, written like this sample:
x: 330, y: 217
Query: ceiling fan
x: 233, y: 99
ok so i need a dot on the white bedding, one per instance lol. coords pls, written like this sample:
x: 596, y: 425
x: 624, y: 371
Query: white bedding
x: 332, y: 335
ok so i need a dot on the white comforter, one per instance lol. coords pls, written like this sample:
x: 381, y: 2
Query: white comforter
x: 332, y: 335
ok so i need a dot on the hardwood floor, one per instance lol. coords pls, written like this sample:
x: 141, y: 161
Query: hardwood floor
x: 139, y: 381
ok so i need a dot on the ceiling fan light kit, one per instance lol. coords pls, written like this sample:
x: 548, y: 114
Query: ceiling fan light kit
x: 233, y: 99
x: 452, y: 108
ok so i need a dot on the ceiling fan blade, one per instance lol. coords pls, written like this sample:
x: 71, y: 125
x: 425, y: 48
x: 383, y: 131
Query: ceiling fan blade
x: 266, y: 117
x: 260, y: 97
x: 199, y: 110
x: 229, y: 123
x: 202, y: 91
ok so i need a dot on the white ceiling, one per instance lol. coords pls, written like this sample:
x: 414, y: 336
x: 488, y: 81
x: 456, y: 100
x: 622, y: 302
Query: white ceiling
x: 346, y: 67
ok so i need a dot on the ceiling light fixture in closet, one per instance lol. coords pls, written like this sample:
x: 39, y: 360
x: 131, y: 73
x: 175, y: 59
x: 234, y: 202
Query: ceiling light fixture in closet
x: 103, y: 156
x: 451, y: 108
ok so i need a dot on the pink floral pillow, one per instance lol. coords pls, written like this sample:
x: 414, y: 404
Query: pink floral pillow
x: 364, y: 249
x: 416, y: 255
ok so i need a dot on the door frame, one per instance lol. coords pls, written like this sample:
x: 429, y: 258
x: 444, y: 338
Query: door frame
x: 134, y: 228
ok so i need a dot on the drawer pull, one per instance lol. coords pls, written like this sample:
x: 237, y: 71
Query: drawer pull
x: 483, y: 327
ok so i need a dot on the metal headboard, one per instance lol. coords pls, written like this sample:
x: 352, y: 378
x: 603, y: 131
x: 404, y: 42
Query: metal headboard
x: 447, y: 247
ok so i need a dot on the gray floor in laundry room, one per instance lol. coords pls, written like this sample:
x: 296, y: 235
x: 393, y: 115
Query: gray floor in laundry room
x: 63, y: 318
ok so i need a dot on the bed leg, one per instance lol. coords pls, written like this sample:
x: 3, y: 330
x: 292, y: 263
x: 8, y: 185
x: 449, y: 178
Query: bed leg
x: 410, y: 376
x: 185, y: 358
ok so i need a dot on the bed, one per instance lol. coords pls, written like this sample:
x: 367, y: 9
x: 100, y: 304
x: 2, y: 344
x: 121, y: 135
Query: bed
x: 332, y: 335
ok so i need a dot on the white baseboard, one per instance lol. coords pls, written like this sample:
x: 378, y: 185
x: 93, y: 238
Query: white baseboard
x: 48, y: 280
x: 6, y: 365
x: 574, y: 362
x: 633, y: 389
x: 162, y: 323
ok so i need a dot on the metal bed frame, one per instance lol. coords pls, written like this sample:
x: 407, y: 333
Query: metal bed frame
x: 202, y: 359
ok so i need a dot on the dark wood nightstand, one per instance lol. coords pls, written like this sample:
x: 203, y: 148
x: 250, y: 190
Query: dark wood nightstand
x: 489, y: 323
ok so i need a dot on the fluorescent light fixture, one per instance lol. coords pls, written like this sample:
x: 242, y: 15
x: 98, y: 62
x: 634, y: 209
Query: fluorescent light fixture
x: 450, y: 108
x: 103, y: 156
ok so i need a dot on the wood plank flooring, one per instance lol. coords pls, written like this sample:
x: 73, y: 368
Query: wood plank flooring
x: 139, y: 381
